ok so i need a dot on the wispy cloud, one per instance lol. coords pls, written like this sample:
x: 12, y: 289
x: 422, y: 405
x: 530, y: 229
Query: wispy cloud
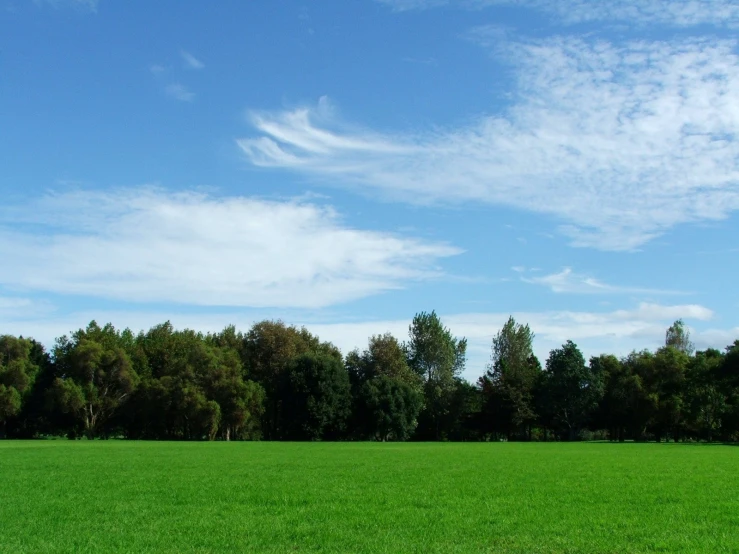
x: 191, y: 61
x: 568, y: 281
x: 145, y: 245
x: 681, y: 13
x: 21, y: 309
x: 620, y: 142
x: 179, y: 92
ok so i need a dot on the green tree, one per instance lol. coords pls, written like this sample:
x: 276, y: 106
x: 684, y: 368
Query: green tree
x: 571, y: 391
x: 621, y: 408
x: 678, y: 337
x: 389, y: 408
x: 97, y: 377
x: 194, y: 387
x: 705, y: 402
x: 387, y: 393
x: 240, y: 401
x: 509, y: 382
x: 316, y: 398
x: 17, y: 375
x: 666, y: 382
x: 728, y: 383
x: 438, y: 358
x: 269, y: 349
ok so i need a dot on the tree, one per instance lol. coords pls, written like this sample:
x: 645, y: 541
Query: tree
x: 728, y: 383
x: 240, y: 401
x: 508, y: 384
x: 97, y: 376
x: 571, y: 390
x: 316, y: 398
x: 678, y: 337
x: 17, y: 375
x: 438, y: 358
x: 387, y: 393
x: 706, y: 404
x: 269, y: 349
x: 389, y: 408
x: 666, y: 383
x: 623, y: 396
x: 194, y: 387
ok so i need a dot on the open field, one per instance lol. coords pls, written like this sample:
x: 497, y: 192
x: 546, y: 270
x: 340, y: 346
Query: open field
x: 59, y: 496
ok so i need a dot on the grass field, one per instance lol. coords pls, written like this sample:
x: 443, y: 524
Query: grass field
x: 58, y: 496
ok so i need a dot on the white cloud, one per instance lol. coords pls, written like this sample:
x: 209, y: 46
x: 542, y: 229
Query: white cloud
x: 142, y: 245
x: 616, y: 332
x: 568, y: 281
x: 681, y: 13
x: 179, y: 92
x: 619, y: 142
x: 191, y: 61
x: 18, y: 308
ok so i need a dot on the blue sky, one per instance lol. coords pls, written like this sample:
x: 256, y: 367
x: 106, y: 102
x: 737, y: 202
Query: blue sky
x: 345, y: 165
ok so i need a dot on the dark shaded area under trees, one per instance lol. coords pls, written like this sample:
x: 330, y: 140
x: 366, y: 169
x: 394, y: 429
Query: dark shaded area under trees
x: 278, y: 382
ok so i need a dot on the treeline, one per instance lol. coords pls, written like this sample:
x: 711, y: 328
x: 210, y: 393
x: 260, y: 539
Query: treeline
x: 279, y: 382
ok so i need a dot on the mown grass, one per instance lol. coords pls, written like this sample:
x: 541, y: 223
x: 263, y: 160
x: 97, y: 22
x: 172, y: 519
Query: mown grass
x: 116, y: 496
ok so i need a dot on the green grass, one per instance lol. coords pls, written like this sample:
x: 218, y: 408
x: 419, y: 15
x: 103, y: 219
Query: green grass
x: 116, y: 496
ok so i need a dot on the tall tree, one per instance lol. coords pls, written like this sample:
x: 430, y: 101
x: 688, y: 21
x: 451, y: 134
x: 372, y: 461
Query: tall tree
x: 389, y: 408
x: 438, y: 358
x: 621, y: 408
x: 677, y: 336
x: 194, y: 387
x: 17, y: 374
x: 508, y: 384
x: 571, y: 390
x: 97, y: 376
x: 705, y: 402
x: 387, y: 393
x: 316, y: 398
x: 666, y: 383
x: 728, y: 382
x: 270, y: 347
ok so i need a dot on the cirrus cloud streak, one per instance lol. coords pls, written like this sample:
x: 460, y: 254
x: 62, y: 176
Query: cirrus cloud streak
x: 619, y: 143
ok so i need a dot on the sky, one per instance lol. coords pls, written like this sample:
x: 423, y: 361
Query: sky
x: 346, y: 165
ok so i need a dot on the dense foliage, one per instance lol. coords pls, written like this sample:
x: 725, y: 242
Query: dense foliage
x: 279, y: 382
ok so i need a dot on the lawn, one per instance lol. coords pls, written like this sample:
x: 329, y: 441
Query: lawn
x: 60, y: 496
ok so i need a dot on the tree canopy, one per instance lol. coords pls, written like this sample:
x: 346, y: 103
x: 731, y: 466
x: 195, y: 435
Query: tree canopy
x: 280, y: 382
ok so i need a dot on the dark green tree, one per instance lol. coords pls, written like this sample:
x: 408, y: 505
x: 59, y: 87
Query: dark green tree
x: 270, y: 347
x: 438, y: 358
x: 316, y: 398
x: 388, y: 395
x: 666, y: 383
x: 623, y: 397
x: 96, y: 376
x: 389, y: 408
x: 509, y: 382
x: 17, y: 375
x: 705, y: 402
x: 571, y: 391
